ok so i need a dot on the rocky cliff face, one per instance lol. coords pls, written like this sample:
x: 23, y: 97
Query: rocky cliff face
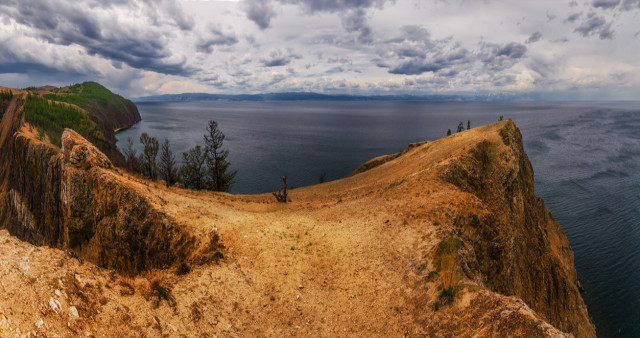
x: 514, y: 246
x: 73, y: 198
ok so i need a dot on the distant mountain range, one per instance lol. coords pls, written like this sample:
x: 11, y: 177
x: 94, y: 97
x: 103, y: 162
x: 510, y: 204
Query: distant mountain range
x: 297, y: 96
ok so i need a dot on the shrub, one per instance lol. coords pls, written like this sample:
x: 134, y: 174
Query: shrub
x: 446, y: 261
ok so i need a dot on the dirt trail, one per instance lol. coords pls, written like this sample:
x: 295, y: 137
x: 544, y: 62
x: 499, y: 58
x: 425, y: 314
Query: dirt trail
x: 348, y: 257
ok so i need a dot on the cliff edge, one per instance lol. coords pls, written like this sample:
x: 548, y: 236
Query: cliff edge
x: 118, y: 255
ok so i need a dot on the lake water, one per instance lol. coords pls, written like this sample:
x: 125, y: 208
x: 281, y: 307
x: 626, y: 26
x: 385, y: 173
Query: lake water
x: 586, y: 158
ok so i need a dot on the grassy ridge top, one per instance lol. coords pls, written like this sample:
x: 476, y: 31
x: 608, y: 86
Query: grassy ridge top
x: 51, y: 118
x: 91, y: 96
x: 88, y: 108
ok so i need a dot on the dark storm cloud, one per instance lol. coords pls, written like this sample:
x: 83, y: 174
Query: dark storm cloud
x: 215, y: 37
x: 535, y: 37
x: 595, y: 25
x: 260, y: 11
x: 278, y: 58
x: 69, y: 24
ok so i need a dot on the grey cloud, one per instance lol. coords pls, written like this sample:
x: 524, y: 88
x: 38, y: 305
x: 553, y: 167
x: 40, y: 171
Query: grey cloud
x: 630, y: 4
x: 216, y: 37
x: 416, y: 53
x: 573, y: 4
x: 336, y: 5
x: 605, y: 3
x: 260, y: 11
x: 595, y: 25
x: 497, y: 58
x: 535, y: 37
x: 573, y: 17
x: 355, y: 21
x: 624, y: 5
x: 278, y: 58
x: 67, y: 24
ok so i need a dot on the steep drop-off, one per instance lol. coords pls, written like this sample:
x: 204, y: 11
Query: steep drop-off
x: 347, y: 257
x: 73, y: 198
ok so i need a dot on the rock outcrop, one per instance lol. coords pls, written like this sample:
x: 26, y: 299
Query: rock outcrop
x: 73, y: 198
x: 515, y: 246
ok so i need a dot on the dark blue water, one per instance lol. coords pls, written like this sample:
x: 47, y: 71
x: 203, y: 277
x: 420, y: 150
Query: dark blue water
x: 585, y: 156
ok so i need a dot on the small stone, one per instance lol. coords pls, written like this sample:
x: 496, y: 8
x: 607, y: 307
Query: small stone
x: 39, y: 323
x: 53, y: 304
x: 505, y: 313
x: 297, y: 327
x: 300, y: 287
x: 172, y: 327
x: 58, y: 293
x: 74, y: 311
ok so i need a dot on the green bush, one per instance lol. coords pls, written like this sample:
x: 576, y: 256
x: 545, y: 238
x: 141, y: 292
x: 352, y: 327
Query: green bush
x: 52, y: 118
x: 446, y: 295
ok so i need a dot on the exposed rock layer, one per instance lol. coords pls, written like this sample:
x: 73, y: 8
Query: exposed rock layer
x: 74, y: 199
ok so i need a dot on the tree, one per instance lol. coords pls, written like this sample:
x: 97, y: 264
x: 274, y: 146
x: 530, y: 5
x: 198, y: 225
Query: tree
x: 148, y: 166
x: 468, y: 124
x: 448, y: 132
x: 217, y: 165
x: 501, y: 117
x: 193, y: 171
x: 322, y: 177
x: 131, y: 157
x: 460, y: 127
x: 167, y: 165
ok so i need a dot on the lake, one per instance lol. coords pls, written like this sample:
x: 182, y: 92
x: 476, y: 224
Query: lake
x: 585, y: 155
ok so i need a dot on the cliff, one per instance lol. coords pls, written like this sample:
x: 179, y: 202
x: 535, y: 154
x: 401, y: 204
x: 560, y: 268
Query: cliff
x: 357, y: 256
x: 74, y: 198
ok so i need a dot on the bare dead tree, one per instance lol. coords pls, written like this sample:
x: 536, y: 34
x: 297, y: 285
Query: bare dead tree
x: 281, y: 195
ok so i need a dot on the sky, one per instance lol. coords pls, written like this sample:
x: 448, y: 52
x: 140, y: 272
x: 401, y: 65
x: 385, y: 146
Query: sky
x: 543, y: 49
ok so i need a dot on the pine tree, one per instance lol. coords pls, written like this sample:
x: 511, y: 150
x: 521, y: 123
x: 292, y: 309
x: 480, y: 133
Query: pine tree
x: 193, y: 171
x: 217, y: 165
x: 148, y: 166
x: 468, y: 124
x: 460, y: 127
x: 448, y: 132
x: 131, y: 157
x: 167, y: 165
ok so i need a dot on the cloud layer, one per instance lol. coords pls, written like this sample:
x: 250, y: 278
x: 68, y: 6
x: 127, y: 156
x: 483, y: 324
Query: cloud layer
x: 145, y: 47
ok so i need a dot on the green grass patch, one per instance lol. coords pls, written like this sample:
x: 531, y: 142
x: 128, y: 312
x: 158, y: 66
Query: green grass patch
x: 51, y: 118
x: 90, y: 96
x: 6, y: 94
